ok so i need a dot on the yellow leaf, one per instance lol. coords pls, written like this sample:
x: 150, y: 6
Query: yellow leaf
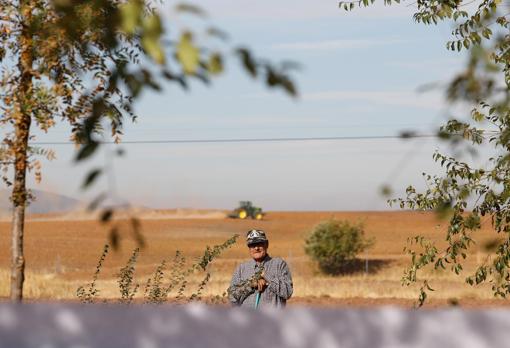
x: 215, y: 64
x: 130, y: 14
x: 152, y: 30
x: 152, y: 26
x: 187, y: 54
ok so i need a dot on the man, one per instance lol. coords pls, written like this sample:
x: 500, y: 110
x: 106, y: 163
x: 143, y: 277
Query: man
x: 264, y: 277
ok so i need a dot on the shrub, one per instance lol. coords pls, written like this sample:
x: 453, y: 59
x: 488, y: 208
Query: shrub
x: 158, y: 287
x: 334, y: 244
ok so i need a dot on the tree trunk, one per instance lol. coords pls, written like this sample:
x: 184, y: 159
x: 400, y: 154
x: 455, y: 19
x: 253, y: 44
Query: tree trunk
x: 22, y: 133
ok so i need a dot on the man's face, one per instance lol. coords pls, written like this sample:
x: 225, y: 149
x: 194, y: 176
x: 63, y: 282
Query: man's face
x: 258, y: 250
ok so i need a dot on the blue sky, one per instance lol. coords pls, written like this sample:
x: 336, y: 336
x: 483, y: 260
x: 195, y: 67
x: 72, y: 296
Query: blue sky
x: 360, y: 75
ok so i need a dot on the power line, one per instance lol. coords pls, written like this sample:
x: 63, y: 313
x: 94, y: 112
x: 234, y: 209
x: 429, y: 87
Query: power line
x: 252, y: 140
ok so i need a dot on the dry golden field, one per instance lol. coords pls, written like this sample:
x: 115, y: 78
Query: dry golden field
x: 62, y: 252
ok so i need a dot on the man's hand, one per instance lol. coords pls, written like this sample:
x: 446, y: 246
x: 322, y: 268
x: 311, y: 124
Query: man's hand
x: 261, y: 285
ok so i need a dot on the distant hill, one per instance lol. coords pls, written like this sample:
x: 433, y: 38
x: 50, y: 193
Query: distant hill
x: 45, y: 202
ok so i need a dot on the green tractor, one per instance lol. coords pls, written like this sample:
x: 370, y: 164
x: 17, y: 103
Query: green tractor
x: 247, y: 209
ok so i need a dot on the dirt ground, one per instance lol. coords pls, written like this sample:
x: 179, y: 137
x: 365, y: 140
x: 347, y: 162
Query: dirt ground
x: 62, y: 253
x: 360, y: 302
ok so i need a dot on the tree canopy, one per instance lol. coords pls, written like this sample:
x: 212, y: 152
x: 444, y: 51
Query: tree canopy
x: 468, y: 195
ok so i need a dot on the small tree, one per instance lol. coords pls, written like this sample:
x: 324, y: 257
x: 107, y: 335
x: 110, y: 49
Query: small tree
x: 159, y: 286
x: 468, y: 195
x: 334, y: 244
x: 84, y: 62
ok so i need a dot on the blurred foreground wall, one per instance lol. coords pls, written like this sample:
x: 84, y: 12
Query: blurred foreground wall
x: 73, y: 325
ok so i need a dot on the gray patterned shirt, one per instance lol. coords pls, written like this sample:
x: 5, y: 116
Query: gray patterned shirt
x: 277, y: 275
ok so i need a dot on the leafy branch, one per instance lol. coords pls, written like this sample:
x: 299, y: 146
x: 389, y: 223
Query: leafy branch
x: 159, y: 286
x: 465, y: 194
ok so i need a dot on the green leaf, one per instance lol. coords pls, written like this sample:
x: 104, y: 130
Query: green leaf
x: 179, y: 78
x: 491, y: 245
x: 202, y: 77
x: 218, y: 33
x: 487, y: 33
x: 114, y: 237
x: 247, y: 60
x: 421, y: 298
x: 106, y: 215
x: 187, y: 54
x: 275, y: 78
x: 288, y: 86
x: 90, y: 178
x: 96, y: 202
x: 386, y: 190
x: 87, y: 150
x: 136, y: 229
x: 477, y: 116
x: 192, y: 9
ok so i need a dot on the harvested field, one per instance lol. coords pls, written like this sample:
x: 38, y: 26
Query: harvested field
x: 62, y: 253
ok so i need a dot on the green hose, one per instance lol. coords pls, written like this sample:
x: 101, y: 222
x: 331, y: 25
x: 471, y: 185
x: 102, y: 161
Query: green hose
x: 257, y: 300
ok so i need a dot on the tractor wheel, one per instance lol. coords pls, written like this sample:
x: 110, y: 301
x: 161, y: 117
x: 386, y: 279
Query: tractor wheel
x: 242, y: 214
x: 258, y: 216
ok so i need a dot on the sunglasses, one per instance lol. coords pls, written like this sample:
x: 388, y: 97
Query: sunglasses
x: 254, y: 245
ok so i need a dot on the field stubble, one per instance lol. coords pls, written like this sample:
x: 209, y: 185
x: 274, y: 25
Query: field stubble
x: 62, y: 254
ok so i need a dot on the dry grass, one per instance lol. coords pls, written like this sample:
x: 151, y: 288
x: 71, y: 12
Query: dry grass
x: 62, y: 254
x: 385, y: 284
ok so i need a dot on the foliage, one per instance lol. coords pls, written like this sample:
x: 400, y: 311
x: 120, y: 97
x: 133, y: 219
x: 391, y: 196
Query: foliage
x: 87, y: 294
x: 466, y: 195
x: 89, y: 60
x: 127, y: 285
x: 84, y: 63
x: 158, y: 288
x: 334, y: 244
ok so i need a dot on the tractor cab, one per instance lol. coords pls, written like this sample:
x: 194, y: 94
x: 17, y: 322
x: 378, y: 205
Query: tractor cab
x: 247, y: 210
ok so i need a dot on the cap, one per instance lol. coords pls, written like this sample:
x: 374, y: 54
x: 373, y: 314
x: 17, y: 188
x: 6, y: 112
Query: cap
x: 255, y: 236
